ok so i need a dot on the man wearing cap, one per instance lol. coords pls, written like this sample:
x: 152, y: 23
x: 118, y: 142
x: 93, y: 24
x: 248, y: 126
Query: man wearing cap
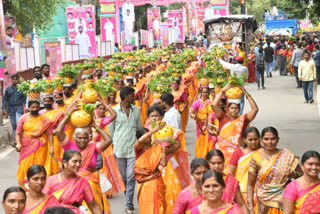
x: 238, y: 69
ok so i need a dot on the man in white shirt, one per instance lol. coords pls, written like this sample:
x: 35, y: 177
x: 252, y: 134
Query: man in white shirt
x: 128, y: 6
x: 108, y: 27
x: 238, y: 69
x: 209, y: 12
x: 176, y: 32
x: 83, y: 40
x: 307, y: 74
x: 172, y: 115
x: 128, y: 27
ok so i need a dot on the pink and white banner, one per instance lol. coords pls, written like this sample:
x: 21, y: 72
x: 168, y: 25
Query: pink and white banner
x: 219, y: 7
x: 165, y: 37
x: 176, y: 21
x: 200, y: 18
x: 193, y: 22
x: 52, y: 54
x: 144, y: 37
x: 108, y: 20
x: 154, y: 22
x: 158, y: 2
x: 81, y: 29
x: 10, y: 21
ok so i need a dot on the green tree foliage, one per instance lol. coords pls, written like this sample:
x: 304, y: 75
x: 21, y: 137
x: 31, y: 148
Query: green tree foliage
x: 298, y: 8
x: 29, y: 13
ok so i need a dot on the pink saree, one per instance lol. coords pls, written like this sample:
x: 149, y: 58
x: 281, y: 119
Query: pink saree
x: 186, y: 201
x: 227, y: 210
x: 51, y: 201
x: 70, y: 191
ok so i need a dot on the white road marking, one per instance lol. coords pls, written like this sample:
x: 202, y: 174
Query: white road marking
x: 6, y: 152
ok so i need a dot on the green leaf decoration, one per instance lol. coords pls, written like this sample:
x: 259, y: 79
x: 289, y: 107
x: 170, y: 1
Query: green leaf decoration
x: 89, y: 108
x: 28, y: 87
x: 153, y: 124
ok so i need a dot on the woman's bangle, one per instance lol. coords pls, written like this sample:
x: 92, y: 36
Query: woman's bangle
x: 68, y: 115
x: 98, y: 129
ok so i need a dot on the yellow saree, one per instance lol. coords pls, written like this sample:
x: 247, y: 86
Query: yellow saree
x: 55, y: 116
x: 35, y: 147
x: 203, y: 143
x: 242, y: 172
x: 308, y: 201
x: 40, y: 208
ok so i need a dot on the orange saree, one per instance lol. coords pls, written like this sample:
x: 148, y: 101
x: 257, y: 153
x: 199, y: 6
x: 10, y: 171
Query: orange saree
x: 230, y: 135
x: 151, y: 189
x: 110, y: 167
x: 93, y: 177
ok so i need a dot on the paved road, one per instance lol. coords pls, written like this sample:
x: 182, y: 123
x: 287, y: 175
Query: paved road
x: 281, y: 105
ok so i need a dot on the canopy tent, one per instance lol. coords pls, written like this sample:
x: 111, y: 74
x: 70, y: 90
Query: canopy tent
x: 249, y: 20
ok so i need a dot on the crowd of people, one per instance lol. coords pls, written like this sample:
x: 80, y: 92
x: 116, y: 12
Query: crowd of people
x: 294, y: 56
x: 236, y: 169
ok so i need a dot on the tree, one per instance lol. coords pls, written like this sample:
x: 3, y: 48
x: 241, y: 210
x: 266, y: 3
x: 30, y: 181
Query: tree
x: 32, y: 13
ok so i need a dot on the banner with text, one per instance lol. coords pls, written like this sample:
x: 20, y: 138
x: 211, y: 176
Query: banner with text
x: 108, y: 21
x: 200, y: 18
x: 176, y: 21
x: 52, y: 53
x: 81, y: 29
x: 154, y: 22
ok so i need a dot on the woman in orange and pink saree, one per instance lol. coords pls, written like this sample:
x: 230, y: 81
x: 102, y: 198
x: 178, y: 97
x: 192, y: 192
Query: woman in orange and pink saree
x: 175, y: 175
x: 150, y: 161
x: 89, y: 151
x: 55, y: 116
x: 240, y: 159
x: 110, y: 168
x: 37, y: 202
x: 192, y: 195
x: 232, y: 192
x: 231, y: 124
x: 213, y: 187
x: 33, y: 133
x: 270, y: 170
x: 199, y: 112
x: 303, y: 194
x: 69, y: 188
